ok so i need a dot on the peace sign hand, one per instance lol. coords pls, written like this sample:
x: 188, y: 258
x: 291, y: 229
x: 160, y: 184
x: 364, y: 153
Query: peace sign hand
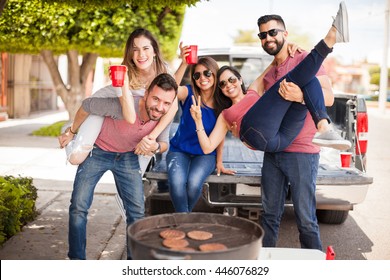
x: 196, y: 113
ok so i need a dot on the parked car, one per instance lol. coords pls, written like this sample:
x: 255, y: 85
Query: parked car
x: 338, y: 189
x: 249, y: 61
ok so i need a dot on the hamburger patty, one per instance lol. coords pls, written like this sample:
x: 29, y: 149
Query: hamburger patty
x: 199, y: 235
x: 172, y: 234
x: 175, y: 243
x: 212, y: 247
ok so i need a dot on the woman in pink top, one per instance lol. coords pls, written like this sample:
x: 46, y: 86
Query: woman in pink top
x: 270, y: 123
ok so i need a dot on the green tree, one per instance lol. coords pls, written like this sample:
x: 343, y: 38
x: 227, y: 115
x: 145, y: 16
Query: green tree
x: 87, y: 28
x: 375, y: 73
x: 250, y: 37
x: 246, y: 37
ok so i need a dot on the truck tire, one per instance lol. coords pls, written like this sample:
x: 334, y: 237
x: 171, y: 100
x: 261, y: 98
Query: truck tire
x: 332, y: 216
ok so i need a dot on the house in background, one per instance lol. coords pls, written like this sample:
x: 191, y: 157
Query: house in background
x: 3, y: 87
x: 26, y: 86
x: 353, y: 78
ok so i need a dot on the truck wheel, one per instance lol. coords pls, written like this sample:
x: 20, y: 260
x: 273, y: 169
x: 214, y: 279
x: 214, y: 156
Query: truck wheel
x: 332, y: 216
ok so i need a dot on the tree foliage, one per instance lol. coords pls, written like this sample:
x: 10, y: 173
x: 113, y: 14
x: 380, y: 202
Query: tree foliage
x: 118, y: 3
x: 375, y: 73
x: 246, y: 37
x: 91, y: 28
x: 30, y: 26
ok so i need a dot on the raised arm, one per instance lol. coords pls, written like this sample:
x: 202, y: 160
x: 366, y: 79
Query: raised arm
x: 179, y: 74
x: 144, y: 147
x: 208, y: 143
x: 127, y: 102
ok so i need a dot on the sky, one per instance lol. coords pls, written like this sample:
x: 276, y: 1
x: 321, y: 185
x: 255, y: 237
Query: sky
x: 214, y: 23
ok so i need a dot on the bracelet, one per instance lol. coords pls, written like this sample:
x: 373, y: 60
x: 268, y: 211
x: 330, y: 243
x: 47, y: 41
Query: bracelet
x: 70, y: 129
x: 197, y: 130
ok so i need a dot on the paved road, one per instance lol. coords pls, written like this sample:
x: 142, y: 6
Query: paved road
x: 40, y: 158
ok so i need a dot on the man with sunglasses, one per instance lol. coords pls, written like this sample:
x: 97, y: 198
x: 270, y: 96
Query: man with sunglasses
x: 296, y: 167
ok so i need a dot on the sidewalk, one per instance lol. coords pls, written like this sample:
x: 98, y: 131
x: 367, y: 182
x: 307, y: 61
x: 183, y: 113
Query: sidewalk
x: 22, y: 154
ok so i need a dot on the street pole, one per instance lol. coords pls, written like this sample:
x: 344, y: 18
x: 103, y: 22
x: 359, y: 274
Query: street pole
x: 384, y: 68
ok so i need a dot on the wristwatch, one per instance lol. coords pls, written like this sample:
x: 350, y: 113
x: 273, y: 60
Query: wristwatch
x: 156, y: 151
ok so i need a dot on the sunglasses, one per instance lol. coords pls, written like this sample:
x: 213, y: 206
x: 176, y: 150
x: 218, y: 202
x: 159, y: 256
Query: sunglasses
x: 222, y: 84
x: 272, y: 33
x: 206, y: 73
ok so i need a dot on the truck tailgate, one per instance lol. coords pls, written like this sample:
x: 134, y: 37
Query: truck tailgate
x: 248, y: 165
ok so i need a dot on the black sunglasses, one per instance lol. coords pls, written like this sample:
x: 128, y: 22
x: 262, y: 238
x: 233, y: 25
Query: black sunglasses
x: 272, y: 33
x: 206, y: 73
x: 222, y: 84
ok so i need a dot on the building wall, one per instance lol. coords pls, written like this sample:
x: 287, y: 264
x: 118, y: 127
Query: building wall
x: 26, y: 87
x: 3, y: 87
x: 18, y: 85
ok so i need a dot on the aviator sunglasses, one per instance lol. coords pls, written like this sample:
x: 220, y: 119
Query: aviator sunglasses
x: 272, y: 33
x: 206, y: 73
x: 222, y: 84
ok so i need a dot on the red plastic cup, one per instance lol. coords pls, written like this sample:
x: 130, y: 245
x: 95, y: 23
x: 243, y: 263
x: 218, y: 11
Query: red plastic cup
x: 117, y: 74
x: 192, y: 57
x: 345, y: 159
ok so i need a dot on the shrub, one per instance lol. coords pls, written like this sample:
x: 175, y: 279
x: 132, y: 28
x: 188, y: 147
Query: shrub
x: 17, y: 205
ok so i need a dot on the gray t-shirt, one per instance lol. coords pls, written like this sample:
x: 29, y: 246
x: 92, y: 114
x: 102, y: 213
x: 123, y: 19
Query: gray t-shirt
x: 111, y: 107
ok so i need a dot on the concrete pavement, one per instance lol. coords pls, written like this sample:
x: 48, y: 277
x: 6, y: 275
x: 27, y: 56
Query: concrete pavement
x: 22, y: 154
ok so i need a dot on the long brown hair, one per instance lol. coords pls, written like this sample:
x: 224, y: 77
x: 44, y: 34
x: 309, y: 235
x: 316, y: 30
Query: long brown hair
x: 158, y: 62
x: 210, y: 64
x: 222, y: 101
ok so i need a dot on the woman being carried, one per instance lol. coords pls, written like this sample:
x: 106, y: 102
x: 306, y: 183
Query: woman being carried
x: 144, y: 62
x: 271, y: 123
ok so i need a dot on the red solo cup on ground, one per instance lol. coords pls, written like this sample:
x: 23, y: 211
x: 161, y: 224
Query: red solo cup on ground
x: 330, y: 254
x: 345, y: 159
x: 117, y: 75
x: 192, y: 57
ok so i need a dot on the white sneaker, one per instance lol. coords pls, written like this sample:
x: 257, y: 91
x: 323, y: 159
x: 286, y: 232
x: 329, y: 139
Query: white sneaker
x: 331, y: 139
x: 340, y: 22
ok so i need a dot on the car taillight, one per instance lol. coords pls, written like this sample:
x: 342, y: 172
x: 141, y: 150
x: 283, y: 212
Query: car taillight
x: 362, y: 133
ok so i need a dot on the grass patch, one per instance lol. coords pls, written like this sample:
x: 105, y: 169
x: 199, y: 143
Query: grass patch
x: 53, y: 130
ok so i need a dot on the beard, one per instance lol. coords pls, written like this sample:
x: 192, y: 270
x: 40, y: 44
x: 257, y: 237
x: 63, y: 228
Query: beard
x: 151, y: 111
x: 276, y: 50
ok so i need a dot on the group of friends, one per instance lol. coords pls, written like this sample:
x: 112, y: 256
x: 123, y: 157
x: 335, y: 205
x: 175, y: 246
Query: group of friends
x: 283, y: 113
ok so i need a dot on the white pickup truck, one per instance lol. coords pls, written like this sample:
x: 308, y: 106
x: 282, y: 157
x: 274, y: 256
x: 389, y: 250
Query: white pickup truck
x: 338, y: 189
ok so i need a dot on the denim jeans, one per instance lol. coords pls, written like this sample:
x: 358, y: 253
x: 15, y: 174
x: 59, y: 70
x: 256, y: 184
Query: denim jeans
x: 272, y: 123
x: 128, y: 181
x: 186, y: 175
x: 300, y: 170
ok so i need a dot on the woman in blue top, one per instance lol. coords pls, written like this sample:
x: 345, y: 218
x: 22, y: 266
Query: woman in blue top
x: 188, y: 167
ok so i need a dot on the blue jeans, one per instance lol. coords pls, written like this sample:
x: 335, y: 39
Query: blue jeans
x: 186, y: 175
x: 128, y: 181
x: 300, y: 170
x: 272, y: 123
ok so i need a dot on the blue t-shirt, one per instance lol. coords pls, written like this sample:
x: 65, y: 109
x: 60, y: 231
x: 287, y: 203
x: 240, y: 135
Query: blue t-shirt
x: 186, y: 139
